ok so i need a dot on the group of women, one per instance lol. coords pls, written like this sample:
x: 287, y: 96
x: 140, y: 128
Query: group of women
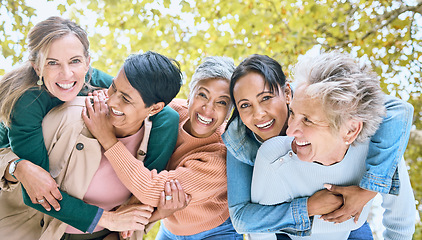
x: 120, y: 159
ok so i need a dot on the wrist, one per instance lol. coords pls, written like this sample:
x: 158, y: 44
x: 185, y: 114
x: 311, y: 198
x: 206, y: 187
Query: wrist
x: 19, y: 170
x: 103, y: 222
x: 108, y: 142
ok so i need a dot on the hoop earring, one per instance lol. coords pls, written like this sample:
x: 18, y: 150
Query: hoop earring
x: 40, y: 81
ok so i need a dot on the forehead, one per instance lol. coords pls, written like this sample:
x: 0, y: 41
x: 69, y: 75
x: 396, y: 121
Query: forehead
x: 303, y: 104
x: 67, y: 44
x: 250, y: 84
x: 122, y: 84
x: 214, y: 85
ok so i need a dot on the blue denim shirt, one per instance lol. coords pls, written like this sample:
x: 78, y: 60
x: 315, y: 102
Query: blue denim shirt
x: 292, y: 217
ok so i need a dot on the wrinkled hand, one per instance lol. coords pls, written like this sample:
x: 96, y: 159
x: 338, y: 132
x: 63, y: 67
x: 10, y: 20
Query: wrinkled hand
x: 95, y: 116
x: 38, y: 184
x: 323, y: 202
x: 131, y: 217
x: 354, y: 198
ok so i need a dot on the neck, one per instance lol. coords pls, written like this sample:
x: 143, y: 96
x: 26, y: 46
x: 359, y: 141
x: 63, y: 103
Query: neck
x: 124, y: 132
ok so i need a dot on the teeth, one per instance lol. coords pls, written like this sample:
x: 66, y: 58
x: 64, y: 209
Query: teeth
x: 204, y: 120
x: 116, y: 112
x: 66, y: 86
x: 301, y: 143
x: 265, y: 125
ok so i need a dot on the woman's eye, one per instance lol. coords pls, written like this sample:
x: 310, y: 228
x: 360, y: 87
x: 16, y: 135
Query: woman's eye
x: 125, y: 100
x: 76, y: 61
x: 202, y: 95
x: 224, y: 103
x: 307, y: 120
x: 244, y: 105
x: 51, y: 63
x: 265, y: 98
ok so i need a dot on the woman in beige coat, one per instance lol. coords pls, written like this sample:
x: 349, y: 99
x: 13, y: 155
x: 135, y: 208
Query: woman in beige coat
x: 66, y: 135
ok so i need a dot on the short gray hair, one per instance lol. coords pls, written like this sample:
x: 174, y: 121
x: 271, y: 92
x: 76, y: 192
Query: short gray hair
x: 213, y: 67
x: 346, y: 90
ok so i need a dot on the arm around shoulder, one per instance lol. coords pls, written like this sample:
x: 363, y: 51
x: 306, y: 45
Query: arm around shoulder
x: 387, y: 147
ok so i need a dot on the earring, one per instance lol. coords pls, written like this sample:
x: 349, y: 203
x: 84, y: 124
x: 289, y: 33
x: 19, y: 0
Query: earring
x: 40, y: 81
x: 347, y: 143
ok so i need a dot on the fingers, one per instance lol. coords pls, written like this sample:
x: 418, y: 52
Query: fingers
x: 162, y: 198
x: 167, y: 190
x: 333, y: 188
x: 52, y: 201
x: 339, y: 216
x: 181, y: 196
x: 44, y: 203
x: 357, y: 215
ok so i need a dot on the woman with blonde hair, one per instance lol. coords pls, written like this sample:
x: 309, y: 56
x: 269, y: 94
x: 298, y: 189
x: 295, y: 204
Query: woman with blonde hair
x: 57, y: 71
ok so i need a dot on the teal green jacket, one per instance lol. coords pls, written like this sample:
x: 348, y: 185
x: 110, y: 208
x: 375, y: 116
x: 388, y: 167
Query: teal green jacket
x: 25, y: 138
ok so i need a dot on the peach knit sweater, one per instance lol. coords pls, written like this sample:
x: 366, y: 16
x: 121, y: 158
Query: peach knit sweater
x: 199, y: 165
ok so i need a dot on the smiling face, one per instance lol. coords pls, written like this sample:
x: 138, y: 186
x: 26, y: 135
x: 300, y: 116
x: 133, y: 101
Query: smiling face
x: 263, y: 112
x: 65, y: 67
x: 315, y: 140
x: 208, y: 107
x: 127, y: 110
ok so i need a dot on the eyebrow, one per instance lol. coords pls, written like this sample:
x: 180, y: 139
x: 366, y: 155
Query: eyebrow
x: 259, y: 94
x: 123, y: 93
x: 50, y: 58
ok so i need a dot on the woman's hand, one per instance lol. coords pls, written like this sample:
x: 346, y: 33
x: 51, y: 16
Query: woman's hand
x: 96, y: 120
x: 323, y: 202
x: 40, y: 186
x: 354, y: 198
x: 130, y: 217
x: 172, y: 199
x: 166, y: 207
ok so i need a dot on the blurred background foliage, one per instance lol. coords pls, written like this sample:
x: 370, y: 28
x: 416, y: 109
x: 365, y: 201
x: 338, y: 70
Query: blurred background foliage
x: 384, y: 33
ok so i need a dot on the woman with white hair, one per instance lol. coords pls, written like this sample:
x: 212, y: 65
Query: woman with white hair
x: 198, y: 162
x: 337, y: 107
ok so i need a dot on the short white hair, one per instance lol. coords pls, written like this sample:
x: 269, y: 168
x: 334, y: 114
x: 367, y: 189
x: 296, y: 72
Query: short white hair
x: 346, y: 90
x: 213, y: 67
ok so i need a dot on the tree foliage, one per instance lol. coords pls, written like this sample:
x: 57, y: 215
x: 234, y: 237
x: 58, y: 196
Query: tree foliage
x: 387, y: 33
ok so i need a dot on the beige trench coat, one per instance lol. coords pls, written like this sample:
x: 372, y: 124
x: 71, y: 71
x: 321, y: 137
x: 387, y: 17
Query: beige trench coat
x: 72, y: 169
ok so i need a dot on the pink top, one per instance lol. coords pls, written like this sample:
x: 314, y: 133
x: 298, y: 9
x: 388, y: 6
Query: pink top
x: 199, y: 164
x: 106, y: 190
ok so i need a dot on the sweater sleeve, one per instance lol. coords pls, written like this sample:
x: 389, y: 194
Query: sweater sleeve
x: 99, y: 78
x: 27, y: 141
x: 162, y: 140
x: 201, y: 178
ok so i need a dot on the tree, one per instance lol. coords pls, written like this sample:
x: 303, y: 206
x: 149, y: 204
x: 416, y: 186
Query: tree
x: 386, y: 33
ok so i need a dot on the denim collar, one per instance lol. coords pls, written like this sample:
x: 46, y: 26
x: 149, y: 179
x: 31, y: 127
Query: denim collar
x: 241, y: 142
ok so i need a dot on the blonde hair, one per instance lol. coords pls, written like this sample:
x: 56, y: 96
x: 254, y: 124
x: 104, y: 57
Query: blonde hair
x: 15, y: 83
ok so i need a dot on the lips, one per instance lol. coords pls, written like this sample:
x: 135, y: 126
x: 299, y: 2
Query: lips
x: 115, y: 112
x: 265, y: 125
x: 302, y: 143
x: 203, y: 119
x: 66, y: 86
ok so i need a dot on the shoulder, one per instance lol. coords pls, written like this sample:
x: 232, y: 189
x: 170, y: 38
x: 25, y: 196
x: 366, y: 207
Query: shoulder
x: 68, y: 113
x: 180, y: 106
x: 274, y: 148
x: 36, y: 102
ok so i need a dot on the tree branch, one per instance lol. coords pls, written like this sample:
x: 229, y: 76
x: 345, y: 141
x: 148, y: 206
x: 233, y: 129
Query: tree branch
x: 392, y: 16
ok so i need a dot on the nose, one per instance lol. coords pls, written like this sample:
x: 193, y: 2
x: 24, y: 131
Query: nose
x: 67, y: 71
x: 111, y: 98
x: 293, y: 129
x: 208, y: 106
x: 258, y: 113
